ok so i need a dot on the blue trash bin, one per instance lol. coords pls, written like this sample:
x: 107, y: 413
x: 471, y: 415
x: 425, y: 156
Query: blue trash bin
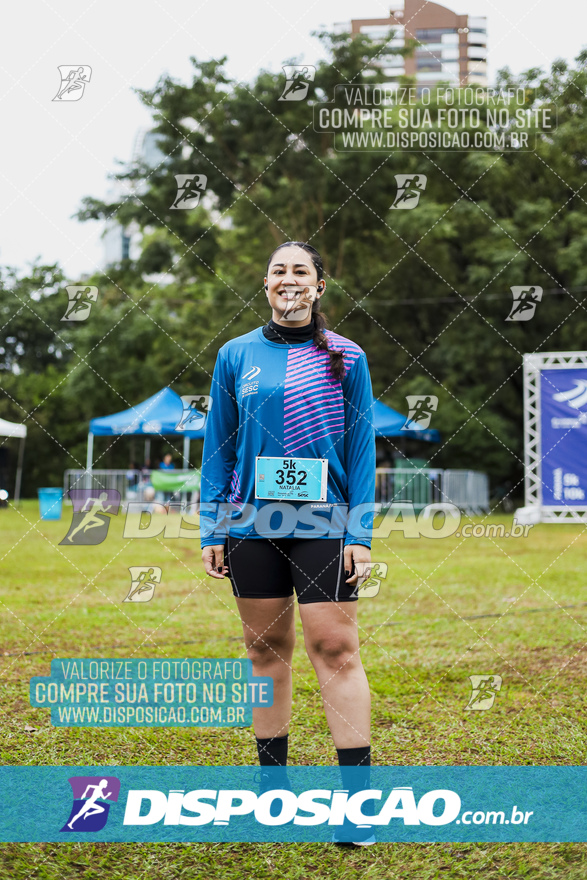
x: 50, y: 502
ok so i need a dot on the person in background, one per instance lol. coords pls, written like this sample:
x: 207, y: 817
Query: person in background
x: 145, y: 482
x: 167, y: 465
x: 132, y: 480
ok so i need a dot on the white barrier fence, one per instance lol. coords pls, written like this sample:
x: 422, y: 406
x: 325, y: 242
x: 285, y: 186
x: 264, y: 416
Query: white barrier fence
x: 131, y: 484
x: 467, y: 490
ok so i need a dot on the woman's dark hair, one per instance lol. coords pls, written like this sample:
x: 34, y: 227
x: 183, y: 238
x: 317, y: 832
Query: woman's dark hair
x: 319, y: 339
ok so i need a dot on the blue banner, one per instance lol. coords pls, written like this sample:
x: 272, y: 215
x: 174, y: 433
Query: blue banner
x: 563, y: 405
x: 221, y: 804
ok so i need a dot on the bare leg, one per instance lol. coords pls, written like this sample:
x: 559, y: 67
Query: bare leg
x: 332, y: 642
x: 269, y: 631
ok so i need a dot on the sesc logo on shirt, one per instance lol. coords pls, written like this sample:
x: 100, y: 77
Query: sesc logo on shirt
x: 250, y: 387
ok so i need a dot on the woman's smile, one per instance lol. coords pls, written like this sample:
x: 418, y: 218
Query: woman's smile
x: 292, y: 292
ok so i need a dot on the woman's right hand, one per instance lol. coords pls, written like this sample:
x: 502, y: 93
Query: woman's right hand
x: 213, y: 559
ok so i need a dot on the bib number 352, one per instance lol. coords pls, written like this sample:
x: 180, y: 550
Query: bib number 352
x: 294, y: 479
x: 288, y: 474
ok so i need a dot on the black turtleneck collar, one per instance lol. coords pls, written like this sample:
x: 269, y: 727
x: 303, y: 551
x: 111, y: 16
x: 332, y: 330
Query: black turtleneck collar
x: 288, y: 335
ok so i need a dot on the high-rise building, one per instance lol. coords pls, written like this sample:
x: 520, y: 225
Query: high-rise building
x: 119, y: 242
x: 122, y: 243
x: 450, y: 47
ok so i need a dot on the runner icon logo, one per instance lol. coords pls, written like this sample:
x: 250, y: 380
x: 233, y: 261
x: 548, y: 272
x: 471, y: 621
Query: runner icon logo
x: 80, y: 300
x: 144, y: 579
x: 409, y: 189
x: 420, y: 409
x: 189, y: 189
x: 90, y: 808
x: 368, y: 587
x: 74, y: 78
x: 525, y: 301
x: 92, y: 510
x: 299, y: 302
x: 297, y: 81
x: 195, y: 412
x: 484, y: 689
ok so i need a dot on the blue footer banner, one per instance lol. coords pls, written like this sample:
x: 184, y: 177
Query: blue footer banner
x: 294, y: 804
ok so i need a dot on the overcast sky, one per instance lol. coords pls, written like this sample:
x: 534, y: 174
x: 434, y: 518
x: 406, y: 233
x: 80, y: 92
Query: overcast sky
x: 54, y: 154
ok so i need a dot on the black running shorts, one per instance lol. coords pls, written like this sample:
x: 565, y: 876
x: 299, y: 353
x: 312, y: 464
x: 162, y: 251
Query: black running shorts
x: 270, y: 569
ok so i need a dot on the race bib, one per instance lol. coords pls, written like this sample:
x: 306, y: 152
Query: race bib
x: 291, y: 479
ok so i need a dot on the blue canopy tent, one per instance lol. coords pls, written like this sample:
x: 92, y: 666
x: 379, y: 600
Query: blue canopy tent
x: 160, y: 415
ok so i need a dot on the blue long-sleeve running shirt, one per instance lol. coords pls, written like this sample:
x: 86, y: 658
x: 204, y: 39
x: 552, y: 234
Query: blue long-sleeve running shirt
x: 281, y: 400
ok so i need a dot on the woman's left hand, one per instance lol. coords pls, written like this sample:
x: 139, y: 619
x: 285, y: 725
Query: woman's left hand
x: 360, y: 556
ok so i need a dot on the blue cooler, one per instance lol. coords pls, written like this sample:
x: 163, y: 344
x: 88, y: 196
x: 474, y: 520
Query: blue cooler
x: 50, y: 502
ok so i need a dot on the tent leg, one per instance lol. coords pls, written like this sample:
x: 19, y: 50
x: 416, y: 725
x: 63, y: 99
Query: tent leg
x: 147, y: 451
x: 90, y: 455
x: 186, y: 453
x: 19, y: 471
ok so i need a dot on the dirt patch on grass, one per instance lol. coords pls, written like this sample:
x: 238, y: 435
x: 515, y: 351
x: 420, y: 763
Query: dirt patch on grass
x: 569, y: 663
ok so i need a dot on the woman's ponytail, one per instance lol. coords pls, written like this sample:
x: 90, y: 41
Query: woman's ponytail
x: 320, y: 340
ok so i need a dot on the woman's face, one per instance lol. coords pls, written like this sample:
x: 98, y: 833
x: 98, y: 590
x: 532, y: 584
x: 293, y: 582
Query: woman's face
x: 292, y: 268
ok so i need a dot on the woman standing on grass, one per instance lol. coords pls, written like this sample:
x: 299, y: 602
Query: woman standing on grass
x: 290, y: 433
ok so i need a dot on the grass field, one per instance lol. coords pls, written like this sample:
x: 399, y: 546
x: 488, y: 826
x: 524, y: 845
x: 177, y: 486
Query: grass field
x: 449, y: 608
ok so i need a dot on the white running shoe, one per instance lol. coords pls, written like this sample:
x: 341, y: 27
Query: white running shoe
x: 368, y: 841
